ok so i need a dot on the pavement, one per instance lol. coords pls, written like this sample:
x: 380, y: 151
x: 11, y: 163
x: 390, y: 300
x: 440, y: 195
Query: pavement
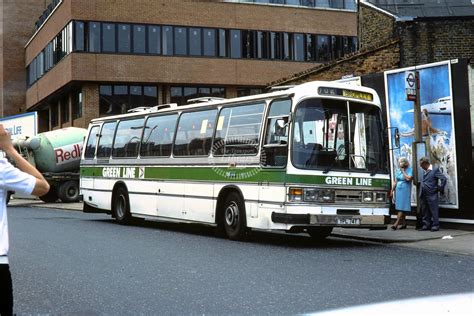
x: 449, y: 241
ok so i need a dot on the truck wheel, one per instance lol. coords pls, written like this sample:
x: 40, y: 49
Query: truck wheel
x: 51, y: 196
x: 234, y: 217
x: 121, y: 206
x: 69, y: 191
x: 319, y: 233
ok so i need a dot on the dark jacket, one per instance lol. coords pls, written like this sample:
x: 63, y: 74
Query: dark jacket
x: 433, y: 182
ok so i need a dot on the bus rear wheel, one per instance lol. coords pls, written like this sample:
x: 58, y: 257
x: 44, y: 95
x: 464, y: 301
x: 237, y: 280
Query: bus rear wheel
x: 319, y: 233
x: 234, y: 218
x: 121, y: 206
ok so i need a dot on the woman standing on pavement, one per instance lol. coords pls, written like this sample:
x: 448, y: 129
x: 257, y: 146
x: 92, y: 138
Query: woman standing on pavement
x: 402, y: 189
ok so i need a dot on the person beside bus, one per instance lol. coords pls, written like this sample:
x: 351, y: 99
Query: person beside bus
x: 402, y: 189
x: 433, y: 182
x: 24, y: 179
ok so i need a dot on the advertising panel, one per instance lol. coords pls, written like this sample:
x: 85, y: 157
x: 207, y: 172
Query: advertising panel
x: 21, y: 125
x: 437, y: 122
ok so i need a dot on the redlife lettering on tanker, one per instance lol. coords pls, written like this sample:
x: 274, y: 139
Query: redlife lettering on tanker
x: 68, y: 153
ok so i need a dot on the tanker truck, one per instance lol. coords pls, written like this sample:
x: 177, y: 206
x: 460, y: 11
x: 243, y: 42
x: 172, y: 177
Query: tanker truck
x: 56, y: 154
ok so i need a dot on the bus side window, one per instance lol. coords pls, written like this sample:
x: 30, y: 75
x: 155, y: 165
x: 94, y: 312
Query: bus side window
x: 275, y: 147
x: 91, y: 142
x: 127, y: 138
x: 158, y: 136
x: 104, y: 148
x: 194, y: 136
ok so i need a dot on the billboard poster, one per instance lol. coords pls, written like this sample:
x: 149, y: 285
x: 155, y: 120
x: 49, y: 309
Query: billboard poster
x: 21, y: 125
x: 437, y: 122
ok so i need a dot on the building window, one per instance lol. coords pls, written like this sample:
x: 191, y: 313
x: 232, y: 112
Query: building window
x: 64, y: 109
x: 150, y: 96
x: 323, y: 48
x: 108, y: 38
x: 180, y: 41
x: 195, y: 47
x: 76, y: 98
x: 298, y: 47
x: 94, y: 37
x: 181, y: 95
x: 118, y: 99
x: 243, y: 92
x: 124, y: 45
x: 53, y: 112
x: 167, y: 40
x: 154, y: 39
x: 223, y: 35
x: 235, y: 44
x: 209, y: 42
x: 79, y: 36
x: 139, y: 43
x: 136, y: 97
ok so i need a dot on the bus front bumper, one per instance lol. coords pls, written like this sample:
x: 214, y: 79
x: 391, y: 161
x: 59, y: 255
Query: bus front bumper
x: 355, y: 221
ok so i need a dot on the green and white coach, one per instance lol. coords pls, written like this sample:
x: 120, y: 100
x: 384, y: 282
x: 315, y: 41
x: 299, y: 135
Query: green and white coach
x: 307, y: 158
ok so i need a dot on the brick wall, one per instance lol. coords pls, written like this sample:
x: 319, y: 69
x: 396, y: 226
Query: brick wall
x: 375, y: 27
x: 383, y: 58
x: 435, y: 40
x: 16, y: 28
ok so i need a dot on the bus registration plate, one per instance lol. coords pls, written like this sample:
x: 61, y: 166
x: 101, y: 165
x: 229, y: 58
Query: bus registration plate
x: 347, y: 220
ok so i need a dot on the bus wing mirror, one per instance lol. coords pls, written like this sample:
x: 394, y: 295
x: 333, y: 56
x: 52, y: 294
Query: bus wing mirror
x: 280, y: 127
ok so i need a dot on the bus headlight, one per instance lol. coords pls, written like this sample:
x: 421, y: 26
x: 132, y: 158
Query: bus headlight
x: 381, y: 197
x: 367, y: 196
x: 319, y: 195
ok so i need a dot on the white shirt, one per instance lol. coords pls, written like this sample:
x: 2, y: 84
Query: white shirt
x: 11, y: 179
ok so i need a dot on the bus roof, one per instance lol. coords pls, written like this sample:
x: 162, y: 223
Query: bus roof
x: 298, y: 91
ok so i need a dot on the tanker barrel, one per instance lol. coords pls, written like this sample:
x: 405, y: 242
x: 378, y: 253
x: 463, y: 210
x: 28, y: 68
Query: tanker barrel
x: 58, y: 150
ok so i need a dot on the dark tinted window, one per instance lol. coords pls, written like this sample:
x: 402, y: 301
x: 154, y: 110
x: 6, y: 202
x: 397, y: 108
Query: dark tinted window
x: 158, y: 136
x: 180, y: 40
x: 108, y: 37
x: 167, y: 40
x: 94, y: 37
x: 238, y: 130
x: 194, y: 135
x: 79, y: 36
x: 235, y: 44
x: 136, y: 96
x: 323, y: 47
x: 195, y: 42
x: 76, y: 98
x: 127, y: 138
x: 124, y: 38
x: 105, y: 100
x: 139, y: 39
x: 150, y: 96
x: 298, y: 47
x: 154, y: 39
x: 91, y: 142
x: 223, y: 35
x: 104, y: 148
x: 209, y: 36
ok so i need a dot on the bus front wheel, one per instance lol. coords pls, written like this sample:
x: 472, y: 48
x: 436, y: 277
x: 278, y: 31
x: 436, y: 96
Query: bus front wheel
x: 234, y: 217
x: 121, y: 206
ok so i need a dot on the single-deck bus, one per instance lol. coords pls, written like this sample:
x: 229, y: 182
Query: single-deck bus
x: 307, y: 158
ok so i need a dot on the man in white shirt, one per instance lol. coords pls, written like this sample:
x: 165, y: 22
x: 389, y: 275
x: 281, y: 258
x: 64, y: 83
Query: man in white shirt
x: 25, y: 179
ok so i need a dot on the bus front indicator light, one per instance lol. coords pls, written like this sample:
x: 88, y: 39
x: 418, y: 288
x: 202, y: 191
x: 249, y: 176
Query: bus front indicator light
x: 295, y: 194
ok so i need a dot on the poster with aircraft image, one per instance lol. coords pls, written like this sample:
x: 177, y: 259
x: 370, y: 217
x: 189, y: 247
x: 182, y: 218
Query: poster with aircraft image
x: 437, y: 122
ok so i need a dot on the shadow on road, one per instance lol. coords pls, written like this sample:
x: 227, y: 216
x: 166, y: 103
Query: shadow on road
x: 268, y: 238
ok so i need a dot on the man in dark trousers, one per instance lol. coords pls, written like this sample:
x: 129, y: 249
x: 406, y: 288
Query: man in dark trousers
x: 25, y: 179
x: 432, y: 183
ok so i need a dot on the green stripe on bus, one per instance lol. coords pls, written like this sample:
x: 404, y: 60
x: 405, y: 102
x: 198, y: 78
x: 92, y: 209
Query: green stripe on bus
x: 225, y: 174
